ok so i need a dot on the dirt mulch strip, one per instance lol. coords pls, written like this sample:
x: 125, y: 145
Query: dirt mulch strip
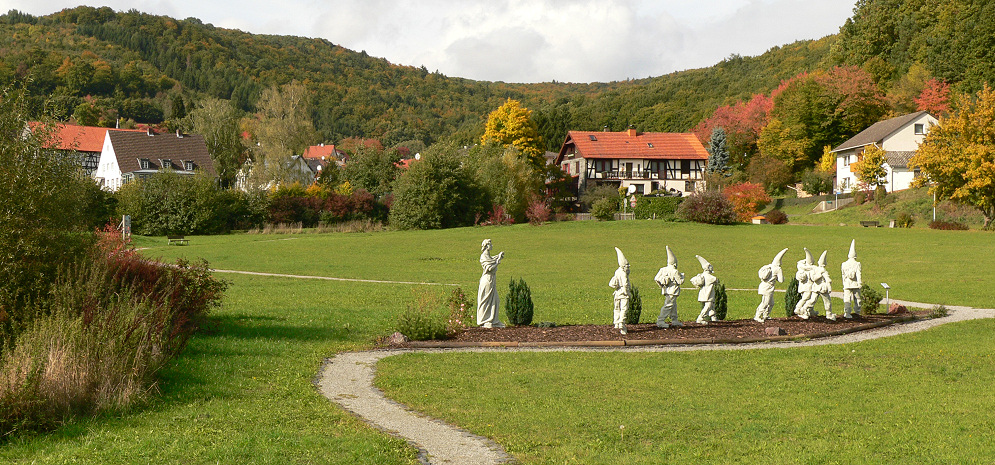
x: 648, y: 334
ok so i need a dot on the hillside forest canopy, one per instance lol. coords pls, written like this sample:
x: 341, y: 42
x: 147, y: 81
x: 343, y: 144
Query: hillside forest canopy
x: 779, y: 110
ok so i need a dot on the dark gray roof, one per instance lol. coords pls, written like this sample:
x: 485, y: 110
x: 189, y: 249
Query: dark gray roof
x: 878, y: 131
x: 899, y: 159
x: 132, y: 146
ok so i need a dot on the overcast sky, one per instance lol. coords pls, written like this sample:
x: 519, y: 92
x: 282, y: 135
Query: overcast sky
x: 518, y: 40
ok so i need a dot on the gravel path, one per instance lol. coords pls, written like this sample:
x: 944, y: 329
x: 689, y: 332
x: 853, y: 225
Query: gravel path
x: 347, y: 379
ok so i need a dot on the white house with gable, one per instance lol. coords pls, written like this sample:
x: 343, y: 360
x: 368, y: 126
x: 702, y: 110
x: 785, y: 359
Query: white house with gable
x: 130, y: 156
x: 899, y: 137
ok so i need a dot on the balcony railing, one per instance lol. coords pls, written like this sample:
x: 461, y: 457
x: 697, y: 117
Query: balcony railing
x: 644, y: 174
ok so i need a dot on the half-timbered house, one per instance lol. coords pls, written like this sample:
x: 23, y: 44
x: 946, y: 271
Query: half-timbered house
x: 650, y: 161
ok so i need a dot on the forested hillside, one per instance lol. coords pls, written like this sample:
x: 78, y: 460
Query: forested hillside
x: 95, y: 64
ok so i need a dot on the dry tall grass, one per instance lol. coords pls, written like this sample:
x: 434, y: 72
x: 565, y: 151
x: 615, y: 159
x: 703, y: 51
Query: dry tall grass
x: 108, y: 326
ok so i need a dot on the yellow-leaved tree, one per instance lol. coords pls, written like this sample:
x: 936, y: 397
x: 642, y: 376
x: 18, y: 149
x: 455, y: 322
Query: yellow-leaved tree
x: 511, y: 125
x: 957, y: 158
x: 869, y: 169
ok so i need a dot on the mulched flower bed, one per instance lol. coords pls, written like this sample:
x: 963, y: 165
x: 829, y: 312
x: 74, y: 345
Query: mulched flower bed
x: 691, y: 332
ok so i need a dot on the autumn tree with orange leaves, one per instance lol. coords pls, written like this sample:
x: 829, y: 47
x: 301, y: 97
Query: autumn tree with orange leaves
x: 957, y: 158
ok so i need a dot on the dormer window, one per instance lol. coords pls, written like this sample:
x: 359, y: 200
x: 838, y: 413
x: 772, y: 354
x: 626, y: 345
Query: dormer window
x: 920, y: 129
x: 143, y: 163
x: 167, y: 164
x: 188, y: 165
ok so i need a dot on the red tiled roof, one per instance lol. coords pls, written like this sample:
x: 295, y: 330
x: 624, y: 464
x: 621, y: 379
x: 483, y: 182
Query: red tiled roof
x: 632, y: 144
x: 78, y: 138
x: 319, y: 151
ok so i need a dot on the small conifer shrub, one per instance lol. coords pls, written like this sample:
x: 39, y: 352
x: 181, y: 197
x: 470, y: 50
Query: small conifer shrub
x: 791, y: 298
x: 870, y: 299
x: 518, y: 305
x: 635, y: 308
x: 721, y: 302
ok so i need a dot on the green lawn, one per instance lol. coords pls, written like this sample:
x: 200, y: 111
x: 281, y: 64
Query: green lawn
x: 917, y: 399
x: 242, y: 392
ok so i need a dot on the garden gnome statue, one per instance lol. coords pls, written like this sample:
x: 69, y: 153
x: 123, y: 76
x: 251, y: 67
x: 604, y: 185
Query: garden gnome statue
x: 822, y: 286
x: 623, y: 291
x: 705, y: 282
x: 770, y: 275
x: 804, y: 285
x: 851, y: 283
x: 670, y: 281
x: 487, y: 296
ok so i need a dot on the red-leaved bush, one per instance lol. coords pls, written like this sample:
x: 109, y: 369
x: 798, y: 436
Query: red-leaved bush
x: 707, y: 207
x: 538, y: 211
x: 747, y: 199
x: 110, y: 323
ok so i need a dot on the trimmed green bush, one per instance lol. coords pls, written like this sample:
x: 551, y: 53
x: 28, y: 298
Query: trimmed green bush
x: 721, y: 301
x: 791, y: 298
x: 661, y: 208
x: 870, y: 299
x: 605, y: 209
x: 518, y: 304
x: 635, y: 308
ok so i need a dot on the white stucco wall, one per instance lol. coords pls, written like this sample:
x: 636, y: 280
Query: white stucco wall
x: 905, y: 138
x: 108, y: 168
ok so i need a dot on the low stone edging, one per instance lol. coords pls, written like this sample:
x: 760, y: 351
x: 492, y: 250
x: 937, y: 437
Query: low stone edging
x: 655, y: 342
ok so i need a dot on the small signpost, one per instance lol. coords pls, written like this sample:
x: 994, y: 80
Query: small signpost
x: 887, y: 298
x: 125, y: 227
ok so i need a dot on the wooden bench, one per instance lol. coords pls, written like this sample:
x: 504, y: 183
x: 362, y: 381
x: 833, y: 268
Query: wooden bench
x: 178, y: 240
x: 869, y: 224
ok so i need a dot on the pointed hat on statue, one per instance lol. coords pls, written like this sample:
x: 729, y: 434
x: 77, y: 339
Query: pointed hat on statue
x: 808, y: 257
x: 621, y: 258
x: 705, y: 266
x: 671, y: 259
x: 777, y: 258
x: 822, y: 258
x: 853, y: 249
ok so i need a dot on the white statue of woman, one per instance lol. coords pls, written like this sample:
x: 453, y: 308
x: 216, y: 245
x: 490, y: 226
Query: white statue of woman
x: 488, y: 302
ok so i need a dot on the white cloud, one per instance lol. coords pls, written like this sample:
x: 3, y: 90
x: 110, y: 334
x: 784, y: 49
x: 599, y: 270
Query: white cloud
x: 520, y: 40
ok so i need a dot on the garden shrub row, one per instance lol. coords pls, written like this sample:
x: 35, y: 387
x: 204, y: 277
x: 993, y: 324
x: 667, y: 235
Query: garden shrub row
x: 661, y: 208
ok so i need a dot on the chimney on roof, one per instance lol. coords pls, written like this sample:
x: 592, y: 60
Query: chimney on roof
x: 632, y: 131
x: 605, y: 129
x: 179, y: 135
x: 148, y: 131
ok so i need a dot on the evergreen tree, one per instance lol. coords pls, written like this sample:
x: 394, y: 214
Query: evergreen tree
x: 718, y: 155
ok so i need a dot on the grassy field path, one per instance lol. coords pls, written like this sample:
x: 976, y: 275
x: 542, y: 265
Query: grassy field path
x: 347, y: 380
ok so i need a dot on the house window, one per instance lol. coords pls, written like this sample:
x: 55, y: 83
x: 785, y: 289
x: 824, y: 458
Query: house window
x: 593, y: 138
x: 167, y: 164
x: 685, y: 169
x: 688, y: 186
x: 144, y: 164
x: 920, y: 129
x: 188, y: 165
x: 639, y: 188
